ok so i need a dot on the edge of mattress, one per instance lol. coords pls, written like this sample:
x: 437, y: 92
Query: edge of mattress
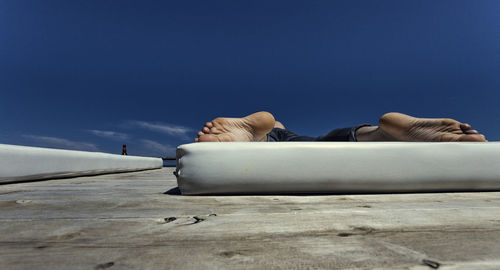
x: 26, y: 163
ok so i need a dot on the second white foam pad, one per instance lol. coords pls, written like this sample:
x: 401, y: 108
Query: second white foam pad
x: 21, y: 163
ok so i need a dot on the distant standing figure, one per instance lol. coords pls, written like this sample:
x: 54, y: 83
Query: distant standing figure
x: 124, y: 150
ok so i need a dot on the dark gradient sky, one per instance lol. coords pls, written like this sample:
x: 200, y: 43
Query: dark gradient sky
x: 93, y: 75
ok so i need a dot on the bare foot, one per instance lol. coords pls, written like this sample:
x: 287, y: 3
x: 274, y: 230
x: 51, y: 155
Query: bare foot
x: 251, y: 128
x: 402, y: 127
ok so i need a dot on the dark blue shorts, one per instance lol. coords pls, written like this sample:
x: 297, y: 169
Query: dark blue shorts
x: 337, y: 135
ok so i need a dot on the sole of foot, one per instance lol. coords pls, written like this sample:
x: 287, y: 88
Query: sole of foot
x: 403, y: 127
x: 251, y: 128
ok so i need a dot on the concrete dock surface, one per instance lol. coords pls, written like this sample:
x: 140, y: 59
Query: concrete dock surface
x: 138, y: 221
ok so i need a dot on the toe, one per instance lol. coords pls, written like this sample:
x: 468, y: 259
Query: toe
x: 206, y: 130
x: 472, y: 138
x: 471, y: 131
x: 196, y: 140
x: 464, y: 126
x: 208, y: 138
x: 200, y: 133
x: 209, y: 124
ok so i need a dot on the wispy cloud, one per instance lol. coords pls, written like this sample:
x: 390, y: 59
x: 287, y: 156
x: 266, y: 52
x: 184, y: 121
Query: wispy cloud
x: 109, y: 134
x: 158, y: 148
x: 55, y: 142
x: 173, y: 130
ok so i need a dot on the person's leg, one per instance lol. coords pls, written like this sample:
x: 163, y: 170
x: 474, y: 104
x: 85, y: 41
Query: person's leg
x: 283, y: 135
x: 257, y: 127
x: 341, y: 134
x: 280, y: 134
x: 392, y: 127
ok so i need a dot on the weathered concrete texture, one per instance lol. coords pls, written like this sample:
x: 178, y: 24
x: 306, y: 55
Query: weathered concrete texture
x: 125, y: 221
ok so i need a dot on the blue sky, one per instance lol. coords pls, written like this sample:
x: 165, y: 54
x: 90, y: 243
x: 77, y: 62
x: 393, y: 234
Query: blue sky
x: 93, y: 75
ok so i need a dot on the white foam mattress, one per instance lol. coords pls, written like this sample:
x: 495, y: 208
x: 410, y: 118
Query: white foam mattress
x: 21, y: 163
x: 336, y: 167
